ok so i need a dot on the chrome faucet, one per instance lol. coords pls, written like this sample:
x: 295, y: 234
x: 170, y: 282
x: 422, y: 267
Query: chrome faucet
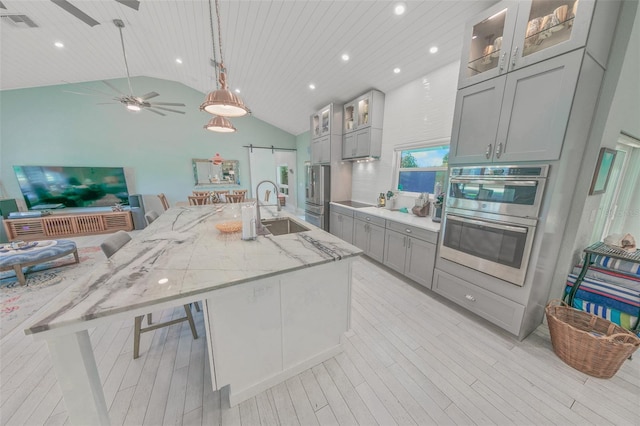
x: 260, y: 228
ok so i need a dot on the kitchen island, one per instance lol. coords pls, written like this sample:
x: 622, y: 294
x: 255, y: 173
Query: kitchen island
x: 273, y: 306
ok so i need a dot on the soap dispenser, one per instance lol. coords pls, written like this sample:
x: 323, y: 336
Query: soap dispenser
x: 381, y: 200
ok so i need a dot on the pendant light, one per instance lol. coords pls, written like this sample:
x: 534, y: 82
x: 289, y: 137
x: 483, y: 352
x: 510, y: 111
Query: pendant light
x: 220, y: 124
x: 222, y: 101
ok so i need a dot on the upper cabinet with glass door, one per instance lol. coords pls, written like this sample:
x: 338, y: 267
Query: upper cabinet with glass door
x: 365, y: 111
x: 321, y: 122
x: 514, y: 34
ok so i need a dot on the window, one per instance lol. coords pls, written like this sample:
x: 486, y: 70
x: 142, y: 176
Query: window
x: 282, y: 177
x: 420, y: 167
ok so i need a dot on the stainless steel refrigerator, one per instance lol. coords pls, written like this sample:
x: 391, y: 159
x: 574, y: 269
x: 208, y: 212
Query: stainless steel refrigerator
x: 318, y: 195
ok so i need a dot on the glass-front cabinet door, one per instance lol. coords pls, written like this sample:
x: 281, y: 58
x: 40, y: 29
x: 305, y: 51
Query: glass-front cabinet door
x: 547, y: 28
x: 363, y: 104
x: 487, y: 44
x: 315, y: 126
x: 325, y: 121
x: 349, y: 117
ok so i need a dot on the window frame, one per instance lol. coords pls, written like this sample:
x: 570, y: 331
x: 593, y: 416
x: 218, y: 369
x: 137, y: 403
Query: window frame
x: 417, y: 145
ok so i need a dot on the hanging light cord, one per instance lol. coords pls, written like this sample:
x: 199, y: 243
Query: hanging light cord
x: 213, y: 45
x: 220, y: 37
x: 126, y: 65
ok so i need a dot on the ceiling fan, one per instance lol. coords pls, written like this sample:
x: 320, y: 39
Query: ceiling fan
x: 132, y: 102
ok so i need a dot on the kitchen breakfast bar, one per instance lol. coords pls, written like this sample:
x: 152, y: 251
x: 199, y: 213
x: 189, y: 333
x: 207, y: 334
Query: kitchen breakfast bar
x: 273, y: 306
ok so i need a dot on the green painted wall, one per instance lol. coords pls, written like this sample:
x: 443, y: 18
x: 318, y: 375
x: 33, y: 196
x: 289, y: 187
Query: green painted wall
x: 50, y: 126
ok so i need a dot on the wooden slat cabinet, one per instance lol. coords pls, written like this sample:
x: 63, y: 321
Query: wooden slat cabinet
x: 56, y: 226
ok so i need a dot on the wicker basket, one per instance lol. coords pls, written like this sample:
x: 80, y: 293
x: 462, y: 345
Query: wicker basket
x: 587, y: 342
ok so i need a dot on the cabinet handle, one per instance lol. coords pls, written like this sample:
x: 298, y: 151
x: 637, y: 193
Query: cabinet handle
x: 499, y: 150
x: 408, y: 231
x: 504, y: 55
x: 404, y: 241
x: 513, y: 57
x: 487, y: 153
x: 470, y: 297
x: 368, y: 219
x: 408, y: 242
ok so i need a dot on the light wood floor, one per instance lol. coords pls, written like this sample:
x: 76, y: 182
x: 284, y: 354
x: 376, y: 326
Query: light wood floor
x: 410, y: 358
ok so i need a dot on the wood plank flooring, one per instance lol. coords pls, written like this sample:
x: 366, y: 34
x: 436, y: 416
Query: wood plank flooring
x: 411, y: 358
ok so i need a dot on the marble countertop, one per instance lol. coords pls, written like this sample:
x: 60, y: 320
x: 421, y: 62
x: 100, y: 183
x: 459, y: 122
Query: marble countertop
x: 397, y: 216
x: 183, y: 255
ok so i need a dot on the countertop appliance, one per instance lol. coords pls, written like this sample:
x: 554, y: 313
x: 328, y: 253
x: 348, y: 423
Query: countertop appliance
x: 318, y: 195
x: 491, y: 216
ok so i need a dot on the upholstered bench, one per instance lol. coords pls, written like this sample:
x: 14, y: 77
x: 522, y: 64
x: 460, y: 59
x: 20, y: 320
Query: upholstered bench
x: 34, y: 252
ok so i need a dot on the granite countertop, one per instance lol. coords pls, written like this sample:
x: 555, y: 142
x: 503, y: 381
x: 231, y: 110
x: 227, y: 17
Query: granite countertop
x: 397, y: 216
x: 183, y: 255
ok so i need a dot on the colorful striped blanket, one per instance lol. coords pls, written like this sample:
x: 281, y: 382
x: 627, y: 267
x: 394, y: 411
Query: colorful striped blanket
x: 606, y: 294
x: 624, y: 266
x: 624, y: 320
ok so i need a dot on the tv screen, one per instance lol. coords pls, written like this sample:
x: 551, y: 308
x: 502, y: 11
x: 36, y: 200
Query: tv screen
x: 47, y: 187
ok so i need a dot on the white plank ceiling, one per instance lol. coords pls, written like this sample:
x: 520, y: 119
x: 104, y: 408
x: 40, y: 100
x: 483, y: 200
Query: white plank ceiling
x: 273, y: 49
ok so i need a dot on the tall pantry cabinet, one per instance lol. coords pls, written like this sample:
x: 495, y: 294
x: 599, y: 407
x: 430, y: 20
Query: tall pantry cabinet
x: 530, y: 79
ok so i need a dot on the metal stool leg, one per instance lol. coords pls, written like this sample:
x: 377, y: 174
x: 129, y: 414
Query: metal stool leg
x: 136, y: 336
x: 187, y: 311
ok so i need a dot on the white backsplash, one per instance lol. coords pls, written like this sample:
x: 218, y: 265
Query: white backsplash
x: 421, y: 110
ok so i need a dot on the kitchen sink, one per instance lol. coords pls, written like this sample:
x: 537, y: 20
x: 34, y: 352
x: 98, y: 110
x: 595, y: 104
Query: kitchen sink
x: 282, y: 225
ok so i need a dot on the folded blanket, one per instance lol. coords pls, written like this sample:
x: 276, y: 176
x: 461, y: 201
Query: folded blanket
x: 624, y: 266
x: 624, y: 320
x: 606, y: 294
x: 612, y: 277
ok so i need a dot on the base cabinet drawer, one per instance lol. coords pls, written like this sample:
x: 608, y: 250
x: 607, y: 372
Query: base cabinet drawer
x: 503, y: 312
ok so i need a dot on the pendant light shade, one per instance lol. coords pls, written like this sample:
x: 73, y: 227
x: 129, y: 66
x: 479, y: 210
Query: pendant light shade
x: 224, y: 103
x: 220, y: 124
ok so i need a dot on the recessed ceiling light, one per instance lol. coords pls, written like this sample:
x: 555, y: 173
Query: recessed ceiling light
x: 237, y: 90
x: 399, y: 8
x: 312, y: 86
x: 345, y: 57
x: 178, y: 61
x: 58, y: 44
x: 433, y: 49
x: 396, y: 70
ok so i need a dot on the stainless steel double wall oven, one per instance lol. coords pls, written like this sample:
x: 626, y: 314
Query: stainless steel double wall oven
x: 491, y: 217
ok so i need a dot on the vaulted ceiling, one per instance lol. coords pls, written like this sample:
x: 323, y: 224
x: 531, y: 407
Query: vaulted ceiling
x: 273, y: 49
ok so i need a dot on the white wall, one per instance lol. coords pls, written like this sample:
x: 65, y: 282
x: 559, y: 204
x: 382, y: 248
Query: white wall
x: 419, y: 111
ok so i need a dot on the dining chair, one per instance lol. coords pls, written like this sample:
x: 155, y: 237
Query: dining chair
x: 220, y: 196
x: 163, y: 200
x: 241, y: 191
x: 110, y: 246
x: 199, y: 200
x: 151, y: 216
x: 234, y: 198
x: 202, y: 193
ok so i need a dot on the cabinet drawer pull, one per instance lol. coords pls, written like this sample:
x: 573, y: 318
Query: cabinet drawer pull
x: 470, y: 297
x: 487, y: 153
x: 408, y: 231
x: 404, y: 241
x: 499, y: 150
x: 368, y: 219
x: 513, y: 58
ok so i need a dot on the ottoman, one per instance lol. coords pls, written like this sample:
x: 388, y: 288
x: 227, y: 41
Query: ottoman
x: 34, y: 252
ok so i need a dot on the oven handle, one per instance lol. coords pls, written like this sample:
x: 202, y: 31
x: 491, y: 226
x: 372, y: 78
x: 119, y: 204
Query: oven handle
x: 489, y: 224
x: 510, y: 182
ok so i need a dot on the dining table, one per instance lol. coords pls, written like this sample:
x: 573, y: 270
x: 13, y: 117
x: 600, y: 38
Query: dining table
x: 273, y: 305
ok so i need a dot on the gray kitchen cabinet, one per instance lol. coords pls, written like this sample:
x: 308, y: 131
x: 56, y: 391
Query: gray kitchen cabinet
x: 514, y: 34
x: 518, y: 117
x: 368, y: 235
x: 410, y: 251
x: 341, y: 223
x: 326, y: 135
x: 363, y: 126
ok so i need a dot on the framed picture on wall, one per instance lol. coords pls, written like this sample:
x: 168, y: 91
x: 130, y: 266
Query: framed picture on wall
x: 603, y: 171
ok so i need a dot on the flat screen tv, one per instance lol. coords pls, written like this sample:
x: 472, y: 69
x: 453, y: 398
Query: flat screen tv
x: 49, y: 187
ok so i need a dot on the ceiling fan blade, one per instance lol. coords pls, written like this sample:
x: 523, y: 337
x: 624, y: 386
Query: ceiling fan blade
x: 106, y: 103
x: 168, y: 103
x: 113, y: 88
x: 149, y: 96
x: 167, y: 109
x: 133, y: 4
x: 83, y: 94
x: 64, y: 4
x: 153, y: 110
